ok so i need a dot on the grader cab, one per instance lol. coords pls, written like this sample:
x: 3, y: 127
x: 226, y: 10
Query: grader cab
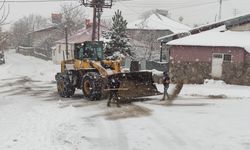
x: 89, y: 71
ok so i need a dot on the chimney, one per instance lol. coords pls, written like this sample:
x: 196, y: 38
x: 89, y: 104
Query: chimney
x: 87, y: 23
x: 56, y: 18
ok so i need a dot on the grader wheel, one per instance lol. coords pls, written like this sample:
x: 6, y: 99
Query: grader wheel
x: 92, y: 86
x: 64, y: 87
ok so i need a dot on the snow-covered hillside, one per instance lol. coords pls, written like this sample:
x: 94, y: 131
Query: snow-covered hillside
x: 32, y: 116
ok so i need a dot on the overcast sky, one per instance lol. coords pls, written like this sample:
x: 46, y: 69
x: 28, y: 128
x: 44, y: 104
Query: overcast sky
x: 193, y: 11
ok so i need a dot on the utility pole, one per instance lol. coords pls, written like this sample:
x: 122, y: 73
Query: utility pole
x: 66, y: 42
x: 94, y: 24
x: 220, y: 10
x: 99, y: 22
x: 97, y: 6
x: 161, y: 52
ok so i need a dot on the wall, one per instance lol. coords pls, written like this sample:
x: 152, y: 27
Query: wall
x: 31, y: 51
x: 138, y: 34
x: 163, y: 66
x: 189, y: 72
x: 60, y: 50
x: 236, y: 73
x: 245, y: 27
x: 247, y: 57
x: 193, y: 64
x: 149, y: 39
x: 204, y: 54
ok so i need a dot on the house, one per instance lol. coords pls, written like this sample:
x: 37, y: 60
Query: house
x: 43, y: 39
x: 149, y: 29
x: 59, y: 51
x: 221, y: 53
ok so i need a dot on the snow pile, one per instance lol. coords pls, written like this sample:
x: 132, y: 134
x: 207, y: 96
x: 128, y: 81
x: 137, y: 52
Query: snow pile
x: 157, y: 72
x: 116, y: 55
x: 214, y: 82
x: 216, y: 89
x: 217, y: 37
x: 158, y: 22
x: 18, y: 65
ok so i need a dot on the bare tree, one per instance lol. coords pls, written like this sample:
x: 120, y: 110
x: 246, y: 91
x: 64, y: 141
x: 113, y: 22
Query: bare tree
x: 4, y: 12
x: 25, y: 25
x: 73, y: 17
x: 148, y: 37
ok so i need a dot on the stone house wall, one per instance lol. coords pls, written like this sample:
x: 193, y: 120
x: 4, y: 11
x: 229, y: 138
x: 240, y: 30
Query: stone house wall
x: 247, y: 57
x: 236, y: 73
x: 244, y: 27
x: 190, y: 72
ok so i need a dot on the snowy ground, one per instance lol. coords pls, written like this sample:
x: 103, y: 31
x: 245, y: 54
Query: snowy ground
x: 32, y: 116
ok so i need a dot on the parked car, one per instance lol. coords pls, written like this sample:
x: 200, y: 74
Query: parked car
x: 2, y: 59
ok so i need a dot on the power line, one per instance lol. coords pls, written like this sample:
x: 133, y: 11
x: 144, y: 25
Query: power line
x: 179, y: 5
x: 36, y: 1
x: 72, y: 8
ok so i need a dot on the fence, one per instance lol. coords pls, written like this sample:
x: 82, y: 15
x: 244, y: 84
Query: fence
x: 160, y: 66
x: 35, y: 52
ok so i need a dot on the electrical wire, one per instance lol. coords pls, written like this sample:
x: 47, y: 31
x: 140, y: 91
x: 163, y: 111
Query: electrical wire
x: 36, y: 1
x: 171, y: 6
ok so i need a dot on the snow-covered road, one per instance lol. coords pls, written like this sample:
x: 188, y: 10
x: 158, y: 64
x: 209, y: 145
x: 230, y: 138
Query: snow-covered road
x: 32, y: 116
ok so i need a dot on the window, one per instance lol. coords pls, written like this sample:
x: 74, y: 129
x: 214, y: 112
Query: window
x: 227, y: 57
x: 218, y: 55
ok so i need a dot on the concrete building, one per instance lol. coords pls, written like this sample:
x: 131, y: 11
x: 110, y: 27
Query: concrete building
x: 149, y: 29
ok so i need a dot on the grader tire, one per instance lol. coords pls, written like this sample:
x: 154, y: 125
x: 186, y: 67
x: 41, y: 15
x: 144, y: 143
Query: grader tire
x: 92, y: 86
x: 64, y: 87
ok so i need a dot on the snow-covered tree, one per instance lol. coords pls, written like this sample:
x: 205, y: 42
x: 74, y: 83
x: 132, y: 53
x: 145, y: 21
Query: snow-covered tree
x: 118, y: 41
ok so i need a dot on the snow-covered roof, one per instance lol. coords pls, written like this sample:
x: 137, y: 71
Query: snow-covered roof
x: 44, y: 29
x: 232, y: 22
x: 158, y: 22
x: 80, y: 36
x: 217, y: 37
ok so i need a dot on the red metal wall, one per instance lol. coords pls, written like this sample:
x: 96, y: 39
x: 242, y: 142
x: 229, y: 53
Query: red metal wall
x: 204, y: 54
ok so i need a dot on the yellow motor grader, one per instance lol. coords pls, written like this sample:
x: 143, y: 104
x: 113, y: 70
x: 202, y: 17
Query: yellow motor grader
x: 90, y: 71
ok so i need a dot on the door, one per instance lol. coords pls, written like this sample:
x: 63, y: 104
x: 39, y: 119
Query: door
x: 217, y: 61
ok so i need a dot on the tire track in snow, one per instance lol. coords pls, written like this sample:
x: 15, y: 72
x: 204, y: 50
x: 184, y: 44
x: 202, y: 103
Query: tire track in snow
x: 111, y: 135
x: 169, y: 135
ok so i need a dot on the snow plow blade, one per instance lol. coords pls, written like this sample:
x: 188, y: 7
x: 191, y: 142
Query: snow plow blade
x: 137, y: 84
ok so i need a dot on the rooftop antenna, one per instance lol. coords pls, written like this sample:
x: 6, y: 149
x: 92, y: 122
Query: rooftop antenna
x: 220, y: 10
